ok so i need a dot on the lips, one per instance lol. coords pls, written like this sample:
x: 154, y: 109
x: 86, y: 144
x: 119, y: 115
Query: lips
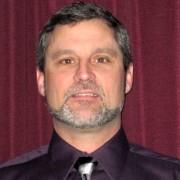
x: 85, y: 94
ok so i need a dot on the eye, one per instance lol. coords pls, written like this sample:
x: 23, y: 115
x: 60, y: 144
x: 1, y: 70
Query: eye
x: 67, y: 61
x: 102, y: 60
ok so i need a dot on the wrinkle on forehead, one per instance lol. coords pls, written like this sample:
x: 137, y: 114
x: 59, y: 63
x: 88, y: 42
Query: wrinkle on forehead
x: 82, y: 32
x: 60, y: 52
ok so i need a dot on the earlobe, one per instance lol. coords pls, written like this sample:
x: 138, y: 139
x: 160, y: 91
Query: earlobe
x: 129, y: 78
x: 40, y: 81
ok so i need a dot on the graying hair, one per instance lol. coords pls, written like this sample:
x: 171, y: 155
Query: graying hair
x: 81, y: 11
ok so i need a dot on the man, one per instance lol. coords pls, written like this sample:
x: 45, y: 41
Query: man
x: 84, y: 71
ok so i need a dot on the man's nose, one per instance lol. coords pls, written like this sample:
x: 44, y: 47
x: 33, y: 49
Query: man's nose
x: 84, y: 72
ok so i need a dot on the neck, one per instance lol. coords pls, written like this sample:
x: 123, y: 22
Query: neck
x: 87, y: 140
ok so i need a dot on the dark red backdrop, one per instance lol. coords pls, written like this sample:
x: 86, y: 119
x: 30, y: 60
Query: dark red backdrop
x: 152, y: 113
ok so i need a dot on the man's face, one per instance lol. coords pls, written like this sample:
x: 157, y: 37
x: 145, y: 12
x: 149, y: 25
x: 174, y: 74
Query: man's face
x: 84, y: 71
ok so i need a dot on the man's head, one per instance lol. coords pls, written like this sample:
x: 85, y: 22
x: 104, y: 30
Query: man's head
x: 84, y: 66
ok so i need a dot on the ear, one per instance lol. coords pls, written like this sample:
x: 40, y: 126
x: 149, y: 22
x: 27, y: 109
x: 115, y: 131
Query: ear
x: 129, y: 78
x: 40, y: 81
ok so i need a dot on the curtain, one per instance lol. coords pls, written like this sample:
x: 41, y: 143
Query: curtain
x: 152, y: 109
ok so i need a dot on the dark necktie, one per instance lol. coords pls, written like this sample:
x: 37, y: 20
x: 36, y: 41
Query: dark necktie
x: 85, y: 166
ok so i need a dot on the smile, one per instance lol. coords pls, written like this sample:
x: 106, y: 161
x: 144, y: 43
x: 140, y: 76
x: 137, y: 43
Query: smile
x: 85, y: 94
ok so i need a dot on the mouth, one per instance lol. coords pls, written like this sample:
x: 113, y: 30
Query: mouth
x: 85, y: 95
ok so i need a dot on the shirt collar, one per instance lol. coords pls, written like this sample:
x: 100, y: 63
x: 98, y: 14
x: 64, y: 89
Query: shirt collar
x: 62, y: 155
x: 111, y: 156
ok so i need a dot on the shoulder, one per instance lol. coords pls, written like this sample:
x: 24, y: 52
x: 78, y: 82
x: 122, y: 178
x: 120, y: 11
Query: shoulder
x: 25, y: 166
x: 144, y: 153
x: 27, y: 156
x: 150, y: 162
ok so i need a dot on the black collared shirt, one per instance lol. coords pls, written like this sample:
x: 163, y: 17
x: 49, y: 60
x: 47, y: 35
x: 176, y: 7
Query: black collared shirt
x: 117, y: 160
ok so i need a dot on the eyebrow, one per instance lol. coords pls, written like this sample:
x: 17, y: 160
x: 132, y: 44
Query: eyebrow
x: 60, y: 52
x: 110, y: 51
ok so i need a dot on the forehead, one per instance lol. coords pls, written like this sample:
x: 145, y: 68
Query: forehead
x: 87, y: 29
x: 82, y: 36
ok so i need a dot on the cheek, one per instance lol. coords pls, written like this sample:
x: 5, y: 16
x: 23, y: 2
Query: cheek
x: 113, y: 87
x: 55, y: 86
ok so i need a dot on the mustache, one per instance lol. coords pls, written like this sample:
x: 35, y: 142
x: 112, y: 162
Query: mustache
x: 84, y: 86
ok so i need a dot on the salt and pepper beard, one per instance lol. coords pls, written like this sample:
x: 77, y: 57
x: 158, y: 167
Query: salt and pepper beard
x: 99, y: 117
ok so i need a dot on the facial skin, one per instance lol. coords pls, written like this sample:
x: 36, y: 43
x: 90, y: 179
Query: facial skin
x: 84, y: 71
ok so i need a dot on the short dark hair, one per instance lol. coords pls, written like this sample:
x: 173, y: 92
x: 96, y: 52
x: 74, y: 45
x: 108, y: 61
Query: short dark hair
x: 77, y: 12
